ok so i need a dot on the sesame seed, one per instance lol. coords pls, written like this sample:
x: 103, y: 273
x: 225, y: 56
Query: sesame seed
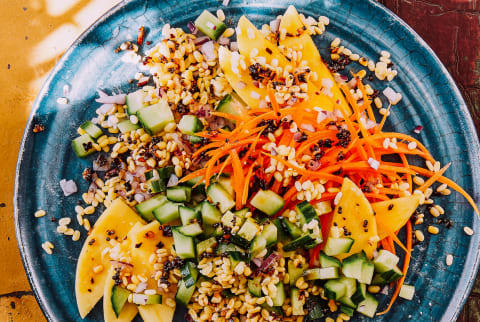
x: 468, y: 230
x: 40, y: 213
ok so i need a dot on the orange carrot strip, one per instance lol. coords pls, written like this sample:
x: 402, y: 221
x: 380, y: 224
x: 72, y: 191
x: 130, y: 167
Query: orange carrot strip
x: 384, y: 118
x: 238, y: 177
x: 433, y: 178
x: 391, y: 234
x: 274, y: 102
x: 246, y: 184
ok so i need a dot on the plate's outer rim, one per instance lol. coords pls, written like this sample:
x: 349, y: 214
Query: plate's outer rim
x: 454, y: 308
x: 27, y: 132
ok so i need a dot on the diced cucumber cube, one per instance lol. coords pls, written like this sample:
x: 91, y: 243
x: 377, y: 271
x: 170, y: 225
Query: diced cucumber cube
x: 91, y: 129
x: 385, y: 261
x: 184, y: 246
x: 155, y: 117
x: 184, y: 293
x: 167, y: 212
x: 191, y: 229
x: 145, y: 208
x: 368, y: 307
x: 143, y: 299
x: 134, y: 101
x: 407, y: 292
x: 190, y: 124
x: 126, y: 126
x: 268, y: 202
x: 210, y: 25
x: 249, y: 229
x: 83, y: 145
x: 326, y: 273
x: 337, y: 246
x: 179, y: 193
x: 220, y: 197
x: 119, y: 298
x: 210, y: 214
x: 188, y: 215
x: 329, y: 261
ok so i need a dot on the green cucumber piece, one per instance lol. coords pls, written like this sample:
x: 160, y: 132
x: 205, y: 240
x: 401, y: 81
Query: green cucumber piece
x: 210, y: 214
x: 368, y: 307
x: 249, y: 229
x: 326, y: 273
x: 294, y: 272
x: 190, y: 124
x: 407, y: 292
x: 83, y: 145
x: 337, y: 246
x: 360, y: 294
x: 144, y: 299
x: 279, y: 298
x: 347, y: 310
x: 329, y: 261
x: 306, y: 211
x: 126, y: 126
x: 296, y: 302
x: 167, y: 212
x: 352, y: 265
x: 226, y: 184
x: 268, y: 202
x: 184, y: 293
x: 191, y: 229
x: 145, y: 208
x: 91, y: 129
x: 157, y: 185
x: 155, y: 117
x: 258, y: 245
x: 204, y: 245
x: 179, y: 193
x: 220, y: 197
x: 335, y: 289
x: 166, y: 172
x: 210, y: 25
x: 270, y: 233
x: 184, y: 246
x: 134, y: 101
x: 292, y: 229
x: 300, y: 242
x: 188, y: 215
x: 235, y: 258
x: 118, y: 298
x: 347, y: 301
x: 385, y: 261
x: 240, y: 241
x: 255, y: 287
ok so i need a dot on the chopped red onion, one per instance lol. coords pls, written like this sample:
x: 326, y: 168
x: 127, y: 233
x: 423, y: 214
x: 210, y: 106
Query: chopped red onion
x: 418, y: 129
x: 274, y: 25
x: 224, y: 41
x: 208, y: 50
x: 181, y: 144
x: 257, y: 262
x: 270, y: 260
x: 234, y: 46
x: 225, y: 2
x: 339, y: 78
x: 201, y: 40
x: 390, y: 94
x: 139, y: 197
x: 172, y: 181
x: 114, y: 99
x: 297, y: 136
x: 191, y: 26
x: 352, y: 83
x: 307, y: 127
x: 384, y: 290
x: 66, y: 90
x: 68, y: 187
x: 314, y: 165
x: 121, y: 264
x: 143, y: 81
x: 370, y: 124
x: 273, y: 152
x: 142, y: 286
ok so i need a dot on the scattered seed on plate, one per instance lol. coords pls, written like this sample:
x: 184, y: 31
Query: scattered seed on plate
x: 449, y: 259
x: 468, y: 230
x: 40, y: 213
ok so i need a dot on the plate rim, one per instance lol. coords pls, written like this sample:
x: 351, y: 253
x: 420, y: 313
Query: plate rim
x: 453, y: 309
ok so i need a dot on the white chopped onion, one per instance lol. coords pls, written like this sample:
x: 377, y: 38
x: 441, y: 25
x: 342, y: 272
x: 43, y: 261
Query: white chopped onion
x: 274, y: 25
x: 307, y: 127
x: 173, y: 181
x: 103, y: 109
x: 390, y: 94
x: 374, y: 164
x: 68, y: 187
x: 208, y: 50
x: 114, y: 99
x: 225, y: 2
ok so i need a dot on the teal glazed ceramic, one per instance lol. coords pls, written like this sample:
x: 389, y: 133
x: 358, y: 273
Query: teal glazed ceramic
x: 430, y: 99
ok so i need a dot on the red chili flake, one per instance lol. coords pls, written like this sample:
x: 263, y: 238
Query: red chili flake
x: 38, y: 128
x: 141, y: 159
x: 418, y: 129
x: 141, y: 35
x: 148, y: 42
x: 149, y: 234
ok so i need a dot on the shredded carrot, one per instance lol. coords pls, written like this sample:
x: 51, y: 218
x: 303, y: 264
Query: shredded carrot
x: 433, y: 178
x: 246, y: 184
x: 238, y: 178
x: 384, y: 118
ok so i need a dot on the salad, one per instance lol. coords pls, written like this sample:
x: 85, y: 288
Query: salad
x: 249, y: 180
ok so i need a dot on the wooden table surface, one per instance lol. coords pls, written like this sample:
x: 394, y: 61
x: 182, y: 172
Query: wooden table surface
x: 37, y: 32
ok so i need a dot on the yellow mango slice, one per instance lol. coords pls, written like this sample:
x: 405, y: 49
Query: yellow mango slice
x: 391, y: 215
x: 128, y: 311
x: 89, y: 286
x: 355, y: 213
x: 250, y: 38
x: 240, y: 79
x: 292, y: 23
x: 148, y: 237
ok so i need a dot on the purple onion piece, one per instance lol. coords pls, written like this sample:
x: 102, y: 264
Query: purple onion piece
x: 208, y: 50
x: 224, y: 41
x: 234, y: 46
x: 191, y: 26
x: 257, y: 262
x: 201, y: 40
x: 274, y: 25
x: 269, y: 261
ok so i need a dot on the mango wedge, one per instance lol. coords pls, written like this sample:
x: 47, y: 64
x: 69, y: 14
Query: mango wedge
x: 89, y: 286
x: 355, y: 214
x: 391, y: 215
x: 250, y: 38
x: 291, y: 22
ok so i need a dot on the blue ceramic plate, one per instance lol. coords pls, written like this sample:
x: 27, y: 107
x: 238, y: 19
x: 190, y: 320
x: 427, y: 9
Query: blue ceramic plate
x: 430, y: 98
